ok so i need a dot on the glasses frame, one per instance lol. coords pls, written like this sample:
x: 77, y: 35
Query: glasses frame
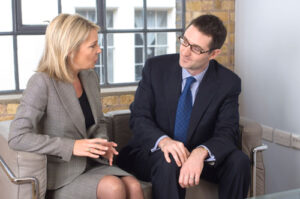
x: 183, y: 41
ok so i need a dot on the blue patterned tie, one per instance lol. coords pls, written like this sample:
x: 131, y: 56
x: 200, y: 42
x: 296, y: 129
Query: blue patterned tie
x: 184, y: 111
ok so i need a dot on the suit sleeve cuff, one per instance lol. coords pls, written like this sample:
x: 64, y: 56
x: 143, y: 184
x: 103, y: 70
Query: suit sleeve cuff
x: 155, y: 148
x: 211, y: 158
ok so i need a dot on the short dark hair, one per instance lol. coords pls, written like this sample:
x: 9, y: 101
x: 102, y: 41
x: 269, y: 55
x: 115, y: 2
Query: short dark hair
x: 211, y: 25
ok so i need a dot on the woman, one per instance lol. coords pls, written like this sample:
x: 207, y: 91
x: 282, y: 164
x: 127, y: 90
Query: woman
x: 60, y: 115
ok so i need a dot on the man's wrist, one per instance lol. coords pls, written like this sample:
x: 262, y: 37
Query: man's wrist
x: 161, y: 142
x: 201, y: 152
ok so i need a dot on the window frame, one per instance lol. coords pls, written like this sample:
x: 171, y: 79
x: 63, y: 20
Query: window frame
x: 20, y: 29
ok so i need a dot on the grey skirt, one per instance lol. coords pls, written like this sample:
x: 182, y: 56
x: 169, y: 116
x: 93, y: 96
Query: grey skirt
x: 85, y: 185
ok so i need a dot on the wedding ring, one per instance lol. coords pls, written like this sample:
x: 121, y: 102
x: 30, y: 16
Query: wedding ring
x: 89, y: 150
x: 192, y: 178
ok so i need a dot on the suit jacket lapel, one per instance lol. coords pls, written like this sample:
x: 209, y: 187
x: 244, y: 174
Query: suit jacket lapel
x: 173, y: 91
x: 70, y: 102
x: 206, y: 91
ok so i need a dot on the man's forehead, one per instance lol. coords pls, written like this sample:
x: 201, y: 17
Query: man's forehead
x: 196, y: 37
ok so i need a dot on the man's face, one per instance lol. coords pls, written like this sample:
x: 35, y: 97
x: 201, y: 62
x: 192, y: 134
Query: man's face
x: 195, y: 63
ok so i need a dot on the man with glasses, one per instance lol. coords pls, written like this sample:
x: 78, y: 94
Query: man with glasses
x: 185, y: 119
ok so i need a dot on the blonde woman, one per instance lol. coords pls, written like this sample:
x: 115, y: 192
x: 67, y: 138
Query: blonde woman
x: 60, y: 115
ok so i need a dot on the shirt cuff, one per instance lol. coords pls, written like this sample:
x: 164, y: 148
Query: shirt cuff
x: 155, y: 148
x: 211, y: 157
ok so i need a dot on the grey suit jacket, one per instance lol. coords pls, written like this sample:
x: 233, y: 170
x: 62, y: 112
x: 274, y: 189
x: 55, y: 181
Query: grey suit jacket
x: 49, y: 120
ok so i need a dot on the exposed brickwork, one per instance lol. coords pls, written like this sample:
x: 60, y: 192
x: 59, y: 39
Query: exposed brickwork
x: 225, y: 10
x: 12, y: 108
x: 2, y: 109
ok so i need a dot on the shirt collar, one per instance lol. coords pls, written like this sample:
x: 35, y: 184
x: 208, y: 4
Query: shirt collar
x: 199, y: 77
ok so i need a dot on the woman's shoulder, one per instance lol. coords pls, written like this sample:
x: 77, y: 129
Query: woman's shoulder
x: 38, y: 81
x: 39, y: 77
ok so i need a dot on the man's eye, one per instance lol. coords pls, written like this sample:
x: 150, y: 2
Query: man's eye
x: 197, y: 48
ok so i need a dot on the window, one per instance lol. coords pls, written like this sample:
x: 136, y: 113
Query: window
x: 131, y: 31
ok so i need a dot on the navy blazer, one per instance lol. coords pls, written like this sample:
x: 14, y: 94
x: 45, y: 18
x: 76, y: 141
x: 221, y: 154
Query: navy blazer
x: 214, y: 120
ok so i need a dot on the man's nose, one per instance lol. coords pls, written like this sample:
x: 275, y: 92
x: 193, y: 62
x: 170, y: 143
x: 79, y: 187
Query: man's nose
x: 186, y: 51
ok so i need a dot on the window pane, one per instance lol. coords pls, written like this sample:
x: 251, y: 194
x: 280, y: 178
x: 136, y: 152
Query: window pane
x: 124, y: 13
x: 139, y: 55
x: 36, y: 12
x: 138, y: 19
x: 86, y: 8
x: 164, y: 14
x: 7, y: 80
x: 162, y: 43
x: 30, y: 49
x: 5, y: 16
x: 121, y: 58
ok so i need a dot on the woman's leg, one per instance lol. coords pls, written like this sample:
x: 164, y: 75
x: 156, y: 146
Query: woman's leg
x: 133, y: 187
x: 111, y: 187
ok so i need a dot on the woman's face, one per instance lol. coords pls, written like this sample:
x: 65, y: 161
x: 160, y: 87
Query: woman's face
x: 87, y: 55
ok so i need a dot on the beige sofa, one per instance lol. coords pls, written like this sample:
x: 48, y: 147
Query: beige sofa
x: 23, y: 175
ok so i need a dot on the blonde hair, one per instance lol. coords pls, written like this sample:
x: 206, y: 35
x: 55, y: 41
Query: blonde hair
x: 63, y: 37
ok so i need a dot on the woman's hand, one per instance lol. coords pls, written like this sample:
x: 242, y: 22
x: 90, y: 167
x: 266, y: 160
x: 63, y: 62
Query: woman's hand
x: 92, y: 148
x: 111, y: 151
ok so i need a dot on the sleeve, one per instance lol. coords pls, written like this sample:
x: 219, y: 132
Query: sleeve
x: 226, y: 131
x: 142, y: 122
x: 25, y: 134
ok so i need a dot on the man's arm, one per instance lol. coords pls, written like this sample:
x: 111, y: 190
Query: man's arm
x: 142, y: 121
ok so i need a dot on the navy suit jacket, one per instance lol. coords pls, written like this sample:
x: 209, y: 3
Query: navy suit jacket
x: 214, y: 120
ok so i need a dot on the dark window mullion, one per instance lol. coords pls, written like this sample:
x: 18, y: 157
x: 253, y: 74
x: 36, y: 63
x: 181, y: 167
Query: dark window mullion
x: 183, y: 16
x: 102, y: 15
x: 145, y: 27
x: 15, y: 44
x: 59, y: 6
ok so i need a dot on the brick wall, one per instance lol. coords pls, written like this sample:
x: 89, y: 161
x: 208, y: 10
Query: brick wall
x: 224, y: 9
x: 221, y: 8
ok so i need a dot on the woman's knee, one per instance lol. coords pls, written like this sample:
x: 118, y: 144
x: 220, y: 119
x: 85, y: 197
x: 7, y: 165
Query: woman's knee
x: 132, y: 184
x: 111, y: 187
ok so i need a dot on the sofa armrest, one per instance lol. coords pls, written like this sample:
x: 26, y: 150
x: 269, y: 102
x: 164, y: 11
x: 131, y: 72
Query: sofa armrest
x: 251, y: 141
x: 118, y: 127
x: 21, y: 165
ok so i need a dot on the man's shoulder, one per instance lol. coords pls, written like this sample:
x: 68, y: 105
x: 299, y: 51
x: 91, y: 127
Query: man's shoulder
x: 223, y: 73
x: 168, y: 58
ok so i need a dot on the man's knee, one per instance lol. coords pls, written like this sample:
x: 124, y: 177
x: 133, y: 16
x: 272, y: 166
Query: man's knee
x: 239, y: 162
x: 161, y: 165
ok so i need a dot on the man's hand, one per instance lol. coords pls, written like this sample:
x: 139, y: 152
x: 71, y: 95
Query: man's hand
x: 191, y: 170
x: 176, y: 148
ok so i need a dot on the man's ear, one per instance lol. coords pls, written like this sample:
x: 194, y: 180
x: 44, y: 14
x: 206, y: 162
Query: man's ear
x: 214, y: 53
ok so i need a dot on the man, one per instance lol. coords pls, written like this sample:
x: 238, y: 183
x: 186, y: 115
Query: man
x: 185, y: 119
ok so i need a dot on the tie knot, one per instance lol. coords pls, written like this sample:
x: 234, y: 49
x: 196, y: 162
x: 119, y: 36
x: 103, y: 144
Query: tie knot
x: 189, y: 81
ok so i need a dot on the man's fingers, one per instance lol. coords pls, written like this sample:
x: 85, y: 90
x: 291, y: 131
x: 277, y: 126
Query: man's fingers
x: 186, y: 180
x: 181, y: 154
x: 176, y: 158
x: 166, y: 154
x: 191, y: 180
x: 197, y: 179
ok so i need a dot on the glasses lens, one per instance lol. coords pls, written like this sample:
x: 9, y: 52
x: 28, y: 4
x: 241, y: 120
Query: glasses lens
x: 196, y: 49
x: 183, y: 41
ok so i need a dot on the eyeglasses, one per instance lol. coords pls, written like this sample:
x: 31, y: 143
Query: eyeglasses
x: 195, y: 48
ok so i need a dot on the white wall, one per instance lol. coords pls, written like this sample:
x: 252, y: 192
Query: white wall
x: 267, y: 58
